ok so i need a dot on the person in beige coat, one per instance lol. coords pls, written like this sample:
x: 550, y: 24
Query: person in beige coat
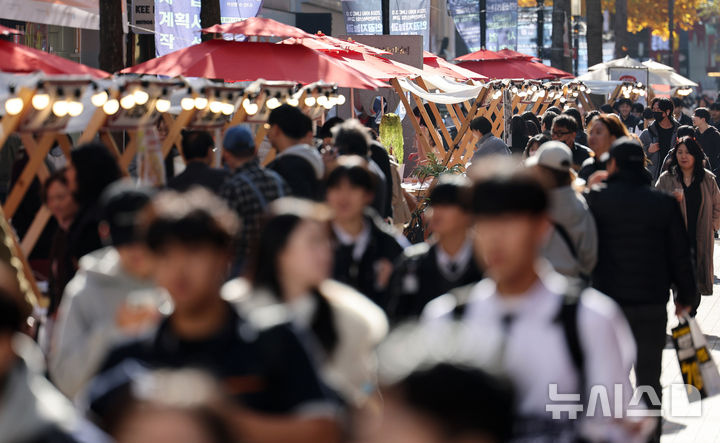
x: 341, y: 327
x: 697, y: 192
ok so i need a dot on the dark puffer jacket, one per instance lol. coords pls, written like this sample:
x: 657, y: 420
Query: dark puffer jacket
x: 643, y: 245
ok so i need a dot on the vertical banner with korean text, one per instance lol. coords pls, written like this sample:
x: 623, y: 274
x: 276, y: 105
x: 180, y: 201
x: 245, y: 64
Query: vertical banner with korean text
x: 502, y: 24
x: 466, y: 15
x: 407, y: 17
x: 177, y: 22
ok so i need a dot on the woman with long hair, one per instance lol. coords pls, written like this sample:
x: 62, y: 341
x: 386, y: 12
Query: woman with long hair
x: 697, y: 192
x: 519, y: 134
x: 604, y: 130
x: 534, y: 144
x: 292, y: 265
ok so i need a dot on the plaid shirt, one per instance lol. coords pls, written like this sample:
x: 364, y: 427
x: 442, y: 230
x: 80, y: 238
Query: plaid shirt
x: 245, y: 200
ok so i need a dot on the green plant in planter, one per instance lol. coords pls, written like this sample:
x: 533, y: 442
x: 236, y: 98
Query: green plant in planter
x: 435, y: 167
x: 391, y: 135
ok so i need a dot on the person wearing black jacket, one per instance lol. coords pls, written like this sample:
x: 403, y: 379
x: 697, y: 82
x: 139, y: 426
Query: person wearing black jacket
x: 708, y: 137
x: 643, y: 250
x: 93, y: 168
x: 197, y: 149
x: 564, y: 129
x: 428, y: 270
x: 365, y: 247
x: 625, y: 107
x: 300, y: 164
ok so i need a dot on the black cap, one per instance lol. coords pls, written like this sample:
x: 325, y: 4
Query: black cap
x: 451, y: 190
x: 715, y: 106
x: 628, y: 153
x: 121, y: 203
x: 517, y: 192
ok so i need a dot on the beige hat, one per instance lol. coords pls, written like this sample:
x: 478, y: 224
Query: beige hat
x: 554, y: 155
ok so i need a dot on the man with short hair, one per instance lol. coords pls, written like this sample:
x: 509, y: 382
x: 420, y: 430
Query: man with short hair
x: 529, y: 322
x: 715, y: 115
x: 643, y: 251
x: 547, y: 120
x: 198, y: 150
x: 428, y: 270
x: 487, y: 144
x: 660, y: 137
x: 709, y: 138
x: 297, y: 162
x: 678, y: 113
x: 112, y: 296
x: 637, y: 111
x: 572, y: 246
x: 259, y: 360
x: 625, y: 108
x: 249, y: 190
x: 564, y: 129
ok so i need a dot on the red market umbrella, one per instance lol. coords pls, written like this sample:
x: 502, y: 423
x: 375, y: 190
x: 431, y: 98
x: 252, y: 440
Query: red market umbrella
x: 4, y: 30
x: 481, y: 55
x: 21, y: 59
x: 248, y: 61
x: 559, y: 73
x: 509, y: 54
x: 435, y: 65
x: 325, y: 43
x: 260, y: 27
x: 379, y: 68
x: 512, y: 69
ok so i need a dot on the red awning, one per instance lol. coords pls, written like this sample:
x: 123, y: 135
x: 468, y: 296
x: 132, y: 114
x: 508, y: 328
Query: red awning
x: 513, y: 69
x: 325, y: 43
x: 435, y: 65
x: 260, y: 27
x: 21, y: 59
x: 250, y: 61
x: 379, y: 68
x: 4, y: 30
x: 481, y: 55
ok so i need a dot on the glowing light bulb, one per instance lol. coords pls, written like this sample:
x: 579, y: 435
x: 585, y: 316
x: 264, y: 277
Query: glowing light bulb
x: 310, y: 101
x: 60, y: 108
x: 292, y: 101
x: 14, y: 105
x: 201, y: 103
x: 322, y: 100
x: 216, y: 107
x: 127, y: 101
x: 141, y: 97
x: 111, y: 107
x: 273, y: 103
x: 228, y: 108
x: 497, y: 94
x: 99, y: 99
x: 341, y: 99
x: 40, y: 101
x: 187, y: 103
x: 162, y: 105
x: 75, y: 108
x: 250, y: 107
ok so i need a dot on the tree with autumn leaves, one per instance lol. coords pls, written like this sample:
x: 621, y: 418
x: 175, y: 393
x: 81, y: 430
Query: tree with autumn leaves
x: 638, y: 15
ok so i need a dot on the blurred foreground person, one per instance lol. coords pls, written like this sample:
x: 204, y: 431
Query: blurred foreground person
x: 572, y: 246
x: 547, y: 335
x: 111, y: 298
x: 429, y: 270
x: 643, y: 250
x: 93, y: 168
x: 365, y: 246
x: 31, y: 409
x: 292, y: 266
x: 183, y: 406
x: 259, y: 361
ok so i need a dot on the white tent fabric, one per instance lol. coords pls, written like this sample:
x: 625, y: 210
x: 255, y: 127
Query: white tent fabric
x: 445, y: 98
x: 659, y: 74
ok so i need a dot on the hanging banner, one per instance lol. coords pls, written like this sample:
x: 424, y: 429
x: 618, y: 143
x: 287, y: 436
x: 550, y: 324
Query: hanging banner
x: 502, y: 25
x: 407, y: 17
x: 177, y: 22
x: 466, y: 15
x: 142, y: 16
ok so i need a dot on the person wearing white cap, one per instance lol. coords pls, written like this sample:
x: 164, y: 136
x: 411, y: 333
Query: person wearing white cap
x: 572, y: 245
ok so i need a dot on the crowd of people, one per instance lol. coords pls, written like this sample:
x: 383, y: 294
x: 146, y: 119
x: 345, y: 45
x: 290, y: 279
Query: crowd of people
x: 280, y: 303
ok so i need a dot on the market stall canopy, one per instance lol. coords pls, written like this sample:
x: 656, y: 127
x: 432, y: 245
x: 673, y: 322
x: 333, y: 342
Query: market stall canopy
x: 509, y: 54
x: 379, y: 68
x: 481, y: 55
x: 435, y: 65
x: 4, y: 30
x: 515, y: 69
x: 326, y: 43
x: 248, y: 61
x: 22, y: 59
x: 658, y: 74
x: 258, y: 27
x: 458, y: 95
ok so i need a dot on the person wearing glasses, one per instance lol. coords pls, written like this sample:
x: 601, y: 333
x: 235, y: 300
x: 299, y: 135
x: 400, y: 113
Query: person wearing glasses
x: 564, y: 129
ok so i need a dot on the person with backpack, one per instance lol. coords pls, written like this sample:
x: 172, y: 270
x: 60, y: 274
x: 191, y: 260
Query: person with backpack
x: 643, y: 251
x: 572, y: 246
x: 249, y: 189
x: 544, y: 333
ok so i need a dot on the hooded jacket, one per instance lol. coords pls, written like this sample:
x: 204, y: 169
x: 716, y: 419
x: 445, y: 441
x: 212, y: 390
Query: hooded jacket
x: 85, y: 329
x: 303, y: 169
x: 569, y: 212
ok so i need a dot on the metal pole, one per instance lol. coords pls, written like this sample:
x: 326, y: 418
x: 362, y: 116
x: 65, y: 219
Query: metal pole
x: 671, y: 28
x: 540, y: 28
x: 576, y: 43
x: 386, y: 17
x: 483, y: 22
